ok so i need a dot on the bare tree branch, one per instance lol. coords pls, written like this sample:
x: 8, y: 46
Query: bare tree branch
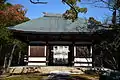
x: 37, y: 2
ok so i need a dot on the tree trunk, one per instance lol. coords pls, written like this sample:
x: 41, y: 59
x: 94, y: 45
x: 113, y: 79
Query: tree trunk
x: 19, y: 57
x: 0, y: 48
x: 114, y: 17
x: 5, y: 64
x: 11, y: 56
x: 5, y: 61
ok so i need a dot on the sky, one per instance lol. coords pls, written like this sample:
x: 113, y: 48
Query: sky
x: 56, y: 6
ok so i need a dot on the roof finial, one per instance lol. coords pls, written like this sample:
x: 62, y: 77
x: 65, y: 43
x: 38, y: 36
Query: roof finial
x: 51, y: 15
x: 45, y: 13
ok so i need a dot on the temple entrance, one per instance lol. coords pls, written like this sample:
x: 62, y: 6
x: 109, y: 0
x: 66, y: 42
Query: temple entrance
x: 60, y: 56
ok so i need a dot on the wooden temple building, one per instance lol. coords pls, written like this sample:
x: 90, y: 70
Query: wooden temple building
x: 54, y: 41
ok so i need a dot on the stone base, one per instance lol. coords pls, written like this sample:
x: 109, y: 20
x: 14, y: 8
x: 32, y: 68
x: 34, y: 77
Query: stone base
x: 44, y: 70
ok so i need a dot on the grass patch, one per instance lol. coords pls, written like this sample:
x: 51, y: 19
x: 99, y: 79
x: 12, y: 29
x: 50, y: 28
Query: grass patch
x: 41, y: 77
x: 24, y: 77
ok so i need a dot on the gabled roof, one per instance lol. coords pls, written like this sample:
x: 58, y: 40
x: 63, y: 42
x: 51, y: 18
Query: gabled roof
x: 52, y: 23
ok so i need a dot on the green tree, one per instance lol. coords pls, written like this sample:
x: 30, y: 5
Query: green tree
x: 72, y: 13
x: 93, y: 24
x: 10, y: 15
x: 108, y: 48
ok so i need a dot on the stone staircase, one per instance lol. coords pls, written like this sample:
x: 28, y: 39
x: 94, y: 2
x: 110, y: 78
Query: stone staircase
x: 44, y: 70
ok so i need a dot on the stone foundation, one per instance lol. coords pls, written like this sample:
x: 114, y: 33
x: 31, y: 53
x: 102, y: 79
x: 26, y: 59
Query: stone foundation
x: 44, y: 70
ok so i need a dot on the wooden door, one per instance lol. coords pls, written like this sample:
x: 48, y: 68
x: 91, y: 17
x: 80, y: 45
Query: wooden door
x: 37, y: 51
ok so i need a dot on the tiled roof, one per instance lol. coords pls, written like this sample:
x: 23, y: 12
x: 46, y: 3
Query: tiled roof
x: 52, y: 23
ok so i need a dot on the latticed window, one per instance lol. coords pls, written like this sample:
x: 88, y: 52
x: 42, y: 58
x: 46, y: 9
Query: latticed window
x: 83, y: 51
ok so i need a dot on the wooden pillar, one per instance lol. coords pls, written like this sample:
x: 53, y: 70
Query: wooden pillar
x: 71, y: 55
x: 74, y: 51
x: 50, y: 56
x: 74, y: 54
x: 91, y: 55
x: 29, y: 50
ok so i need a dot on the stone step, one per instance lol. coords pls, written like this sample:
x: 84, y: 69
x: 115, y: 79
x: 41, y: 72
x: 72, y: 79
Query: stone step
x: 43, y: 70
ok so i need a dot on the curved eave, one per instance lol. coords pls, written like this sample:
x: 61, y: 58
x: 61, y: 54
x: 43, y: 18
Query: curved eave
x: 38, y: 32
x: 28, y: 36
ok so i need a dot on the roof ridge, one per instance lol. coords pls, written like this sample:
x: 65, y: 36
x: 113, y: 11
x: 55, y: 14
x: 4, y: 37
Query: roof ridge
x: 51, y: 14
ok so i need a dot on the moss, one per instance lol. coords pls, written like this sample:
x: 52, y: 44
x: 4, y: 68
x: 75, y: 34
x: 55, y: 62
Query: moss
x: 23, y: 77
